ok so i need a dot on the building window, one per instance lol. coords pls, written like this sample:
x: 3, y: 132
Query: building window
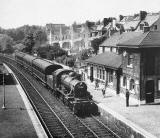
x: 130, y: 59
x: 97, y: 73
x: 132, y: 84
x: 110, y: 77
x: 155, y: 27
x: 103, y: 74
x: 124, y: 81
x: 100, y: 72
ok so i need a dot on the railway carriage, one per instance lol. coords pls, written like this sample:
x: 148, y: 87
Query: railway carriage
x: 19, y: 58
x: 28, y: 62
x: 43, y: 68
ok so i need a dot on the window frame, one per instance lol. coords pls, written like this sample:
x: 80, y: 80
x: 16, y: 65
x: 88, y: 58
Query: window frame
x: 110, y: 77
x: 130, y: 60
x: 132, y: 85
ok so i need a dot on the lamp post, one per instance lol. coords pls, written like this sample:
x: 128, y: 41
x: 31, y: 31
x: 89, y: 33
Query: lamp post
x: 4, y: 91
x: 3, y: 107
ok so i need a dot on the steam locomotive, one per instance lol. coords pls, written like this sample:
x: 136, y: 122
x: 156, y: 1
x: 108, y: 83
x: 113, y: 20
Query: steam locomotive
x: 64, y: 83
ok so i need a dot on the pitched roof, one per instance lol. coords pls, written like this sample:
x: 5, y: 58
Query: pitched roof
x: 107, y: 59
x: 151, y: 18
x: 118, y: 38
x: 130, y: 24
x: 148, y: 39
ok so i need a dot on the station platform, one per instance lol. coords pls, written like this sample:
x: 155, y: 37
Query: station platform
x: 137, y: 120
x: 18, y: 119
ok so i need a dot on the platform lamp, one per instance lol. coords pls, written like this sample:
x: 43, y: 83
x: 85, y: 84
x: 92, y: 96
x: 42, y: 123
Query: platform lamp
x: 4, y: 100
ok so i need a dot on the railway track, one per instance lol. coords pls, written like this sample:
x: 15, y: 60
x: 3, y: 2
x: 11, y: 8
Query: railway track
x: 56, y: 118
x: 51, y: 122
x: 100, y: 129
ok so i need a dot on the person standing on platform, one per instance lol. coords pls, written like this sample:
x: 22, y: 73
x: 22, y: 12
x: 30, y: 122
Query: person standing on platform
x: 127, y: 97
x: 103, y: 92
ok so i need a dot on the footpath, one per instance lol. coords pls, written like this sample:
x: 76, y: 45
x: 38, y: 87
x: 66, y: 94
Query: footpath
x: 18, y: 119
x: 136, y: 121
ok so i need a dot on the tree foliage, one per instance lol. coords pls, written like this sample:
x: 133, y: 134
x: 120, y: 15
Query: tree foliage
x: 90, y: 24
x: 28, y: 42
x: 143, y: 15
x: 19, y: 34
x: 106, y: 21
x: 50, y: 52
x: 6, y: 43
x: 85, y: 54
x: 40, y: 37
x: 95, y: 44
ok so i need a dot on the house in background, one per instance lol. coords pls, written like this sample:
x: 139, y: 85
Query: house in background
x: 141, y: 64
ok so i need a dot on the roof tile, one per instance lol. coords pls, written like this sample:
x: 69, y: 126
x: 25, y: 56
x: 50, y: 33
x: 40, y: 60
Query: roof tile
x: 148, y: 39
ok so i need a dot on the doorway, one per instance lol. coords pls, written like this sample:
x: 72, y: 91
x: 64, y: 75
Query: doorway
x: 149, y: 91
x: 91, y: 74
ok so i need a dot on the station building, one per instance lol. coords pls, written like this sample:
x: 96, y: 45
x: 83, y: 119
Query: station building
x: 130, y: 60
x: 141, y: 64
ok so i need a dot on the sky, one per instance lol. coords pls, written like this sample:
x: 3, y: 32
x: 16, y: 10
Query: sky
x: 16, y: 13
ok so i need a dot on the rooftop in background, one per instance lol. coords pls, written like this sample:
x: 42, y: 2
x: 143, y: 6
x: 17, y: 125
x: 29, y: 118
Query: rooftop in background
x: 131, y: 22
x: 119, y: 38
x: 113, y: 60
x: 148, y: 39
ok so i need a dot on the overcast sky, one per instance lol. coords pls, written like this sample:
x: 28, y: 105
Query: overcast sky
x: 15, y: 13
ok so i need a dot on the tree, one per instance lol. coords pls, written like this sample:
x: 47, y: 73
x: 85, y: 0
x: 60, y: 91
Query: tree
x: 106, y: 21
x: 85, y: 54
x: 143, y: 15
x: 40, y: 37
x: 51, y: 52
x: 95, y: 44
x: 28, y: 42
x: 121, y: 17
x: 9, y: 49
x: 89, y: 24
x: 6, y: 43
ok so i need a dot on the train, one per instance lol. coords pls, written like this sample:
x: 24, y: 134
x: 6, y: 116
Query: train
x: 63, y: 82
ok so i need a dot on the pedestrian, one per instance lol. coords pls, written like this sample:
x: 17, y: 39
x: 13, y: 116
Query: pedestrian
x: 103, y: 92
x: 127, y: 97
